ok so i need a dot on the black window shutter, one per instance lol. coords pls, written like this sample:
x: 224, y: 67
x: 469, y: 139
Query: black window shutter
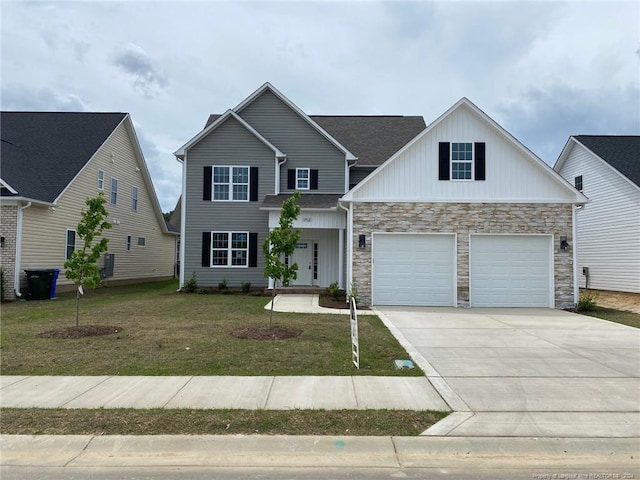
x: 206, y: 249
x: 207, y: 181
x: 479, y: 161
x: 253, y: 184
x: 253, y: 249
x: 314, y: 179
x: 291, y: 179
x: 443, y: 161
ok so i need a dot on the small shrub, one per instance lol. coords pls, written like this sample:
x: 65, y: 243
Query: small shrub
x: 587, y: 303
x: 334, y: 290
x: 204, y: 291
x: 223, y: 286
x: 191, y: 285
x: 246, y: 287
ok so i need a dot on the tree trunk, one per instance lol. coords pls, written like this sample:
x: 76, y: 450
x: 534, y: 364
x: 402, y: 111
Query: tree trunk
x: 273, y: 299
x: 78, y: 307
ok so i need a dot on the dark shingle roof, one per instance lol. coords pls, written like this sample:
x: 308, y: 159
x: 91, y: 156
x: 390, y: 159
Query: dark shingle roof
x: 43, y: 151
x: 622, y: 152
x: 373, y: 139
x: 306, y: 200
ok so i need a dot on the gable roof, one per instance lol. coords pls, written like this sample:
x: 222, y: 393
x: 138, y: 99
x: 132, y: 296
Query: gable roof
x: 372, y: 138
x: 622, y: 152
x: 267, y: 86
x: 218, y: 120
x: 466, y: 103
x: 42, y: 152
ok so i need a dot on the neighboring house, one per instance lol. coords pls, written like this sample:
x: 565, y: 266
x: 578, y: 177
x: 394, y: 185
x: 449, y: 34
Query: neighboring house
x: 51, y: 163
x: 456, y: 214
x: 606, y: 168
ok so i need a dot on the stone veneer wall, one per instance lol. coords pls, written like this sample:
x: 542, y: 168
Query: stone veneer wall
x: 8, y: 230
x: 465, y: 219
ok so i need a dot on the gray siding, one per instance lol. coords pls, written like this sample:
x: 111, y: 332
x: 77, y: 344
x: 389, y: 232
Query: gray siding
x: 304, y: 146
x: 230, y: 144
x: 357, y: 174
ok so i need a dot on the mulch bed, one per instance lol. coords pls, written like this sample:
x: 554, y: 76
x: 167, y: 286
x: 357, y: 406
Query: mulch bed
x: 265, y: 333
x: 80, y: 332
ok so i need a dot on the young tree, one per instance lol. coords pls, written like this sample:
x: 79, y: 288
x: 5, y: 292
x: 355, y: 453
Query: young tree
x: 281, y: 242
x: 81, y: 266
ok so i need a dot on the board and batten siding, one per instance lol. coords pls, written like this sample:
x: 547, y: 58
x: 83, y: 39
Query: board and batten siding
x: 230, y: 144
x: 45, y: 229
x: 608, y: 226
x: 303, y: 145
x: 413, y: 175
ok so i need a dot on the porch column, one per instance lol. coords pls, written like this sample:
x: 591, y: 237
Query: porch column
x: 341, y: 258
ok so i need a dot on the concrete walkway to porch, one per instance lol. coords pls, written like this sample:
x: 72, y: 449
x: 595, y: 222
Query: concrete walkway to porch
x: 306, y: 303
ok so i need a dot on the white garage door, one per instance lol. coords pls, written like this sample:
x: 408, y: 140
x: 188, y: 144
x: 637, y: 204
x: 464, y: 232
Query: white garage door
x: 413, y: 269
x: 510, y: 271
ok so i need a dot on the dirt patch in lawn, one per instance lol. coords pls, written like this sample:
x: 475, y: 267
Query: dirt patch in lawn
x: 266, y: 333
x: 80, y: 332
x: 617, y: 300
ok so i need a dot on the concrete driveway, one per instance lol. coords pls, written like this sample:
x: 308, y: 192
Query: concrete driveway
x: 525, y: 372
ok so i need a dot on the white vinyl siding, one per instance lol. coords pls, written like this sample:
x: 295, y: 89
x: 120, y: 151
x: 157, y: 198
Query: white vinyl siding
x: 413, y: 269
x: 608, y: 226
x: 511, y: 176
x: 510, y: 271
x: 157, y: 260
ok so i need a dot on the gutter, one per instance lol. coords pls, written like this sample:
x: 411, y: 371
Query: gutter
x: 16, y: 275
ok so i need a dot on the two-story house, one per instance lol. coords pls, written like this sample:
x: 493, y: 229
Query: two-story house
x: 458, y: 213
x: 51, y: 163
x: 606, y: 168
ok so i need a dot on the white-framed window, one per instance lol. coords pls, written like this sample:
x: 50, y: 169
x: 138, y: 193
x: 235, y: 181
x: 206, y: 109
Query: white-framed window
x: 229, y: 249
x: 128, y: 243
x: 231, y: 184
x: 70, y: 245
x: 114, y: 191
x: 142, y: 242
x: 462, y: 161
x: 100, y: 179
x: 134, y: 199
x: 302, y: 179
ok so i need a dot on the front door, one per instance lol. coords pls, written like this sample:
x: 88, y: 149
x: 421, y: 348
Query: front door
x: 303, y: 256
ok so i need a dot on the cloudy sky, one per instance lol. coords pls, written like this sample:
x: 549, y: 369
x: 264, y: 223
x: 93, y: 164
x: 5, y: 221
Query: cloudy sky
x: 543, y: 70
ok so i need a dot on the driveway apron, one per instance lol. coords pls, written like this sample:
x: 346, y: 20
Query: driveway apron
x: 525, y: 372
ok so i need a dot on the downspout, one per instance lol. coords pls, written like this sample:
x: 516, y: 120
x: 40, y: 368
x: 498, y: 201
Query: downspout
x: 16, y: 276
x: 183, y: 218
x: 278, y: 165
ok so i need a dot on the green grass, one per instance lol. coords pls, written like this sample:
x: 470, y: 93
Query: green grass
x: 168, y: 333
x: 624, y: 317
x: 35, y: 421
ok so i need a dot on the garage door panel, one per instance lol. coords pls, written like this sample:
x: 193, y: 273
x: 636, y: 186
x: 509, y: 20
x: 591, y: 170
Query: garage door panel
x: 413, y: 269
x: 510, y: 271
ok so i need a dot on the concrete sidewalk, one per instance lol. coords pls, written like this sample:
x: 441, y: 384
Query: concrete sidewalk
x: 202, y: 392
x: 306, y: 303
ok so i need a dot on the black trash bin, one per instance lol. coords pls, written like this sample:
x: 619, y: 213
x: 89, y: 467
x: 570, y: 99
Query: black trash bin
x: 39, y: 281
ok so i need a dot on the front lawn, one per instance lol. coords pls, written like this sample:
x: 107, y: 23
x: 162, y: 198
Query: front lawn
x: 624, y: 317
x: 161, y: 332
